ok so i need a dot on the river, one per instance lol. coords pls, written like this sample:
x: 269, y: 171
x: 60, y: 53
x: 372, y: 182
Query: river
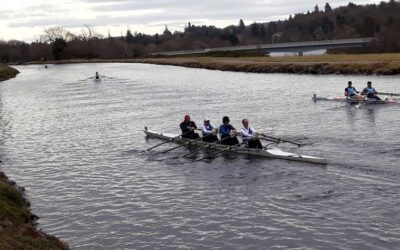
x: 78, y: 147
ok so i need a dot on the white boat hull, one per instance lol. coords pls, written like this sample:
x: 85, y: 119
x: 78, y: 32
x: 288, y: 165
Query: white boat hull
x: 272, y: 152
x: 316, y: 98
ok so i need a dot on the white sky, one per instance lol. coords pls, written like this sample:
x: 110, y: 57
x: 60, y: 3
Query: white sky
x: 26, y: 19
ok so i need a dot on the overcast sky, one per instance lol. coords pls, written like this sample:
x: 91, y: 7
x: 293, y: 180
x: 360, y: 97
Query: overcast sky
x: 26, y: 19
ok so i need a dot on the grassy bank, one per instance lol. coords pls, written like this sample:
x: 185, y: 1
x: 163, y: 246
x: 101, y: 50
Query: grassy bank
x: 17, y: 230
x: 7, y: 72
x: 366, y: 64
x: 380, y: 64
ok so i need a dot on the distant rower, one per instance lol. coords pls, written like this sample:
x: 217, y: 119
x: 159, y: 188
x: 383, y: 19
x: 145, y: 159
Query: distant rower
x: 97, y: 77
x: 188, y: 127
x: 370, y: 92
x: 250, y: 135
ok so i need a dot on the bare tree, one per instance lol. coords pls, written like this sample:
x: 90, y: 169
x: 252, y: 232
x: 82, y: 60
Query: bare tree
x: 88, y: 33
x: 57, y: 32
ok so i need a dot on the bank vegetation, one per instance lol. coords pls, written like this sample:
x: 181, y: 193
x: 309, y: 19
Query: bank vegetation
x: 7, y: 72
x: 17, y: 223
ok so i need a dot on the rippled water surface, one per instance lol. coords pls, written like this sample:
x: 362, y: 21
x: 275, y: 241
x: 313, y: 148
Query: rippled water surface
x: 77, y: 146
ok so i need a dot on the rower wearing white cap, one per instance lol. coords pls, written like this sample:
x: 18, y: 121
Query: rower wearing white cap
x: 209, y: 131
x: 250, y: 135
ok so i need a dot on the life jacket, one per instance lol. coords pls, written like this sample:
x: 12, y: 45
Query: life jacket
x: 370, y: 91
x: 351, y: 91
x: 249, y: 131
x: 209, y: 128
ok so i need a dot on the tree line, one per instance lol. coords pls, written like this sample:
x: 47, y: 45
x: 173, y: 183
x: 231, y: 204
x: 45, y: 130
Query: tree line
x: 381, y: 21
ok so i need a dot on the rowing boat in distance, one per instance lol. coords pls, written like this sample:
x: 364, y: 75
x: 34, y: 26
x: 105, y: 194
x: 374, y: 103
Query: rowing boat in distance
x: 351, y: 100
x: 269, y: 152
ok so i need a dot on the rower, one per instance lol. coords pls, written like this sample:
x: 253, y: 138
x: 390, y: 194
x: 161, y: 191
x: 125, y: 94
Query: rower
x: 351, y: 92
x: 209, y: 131
x: 228, y: 132
x: 370, y: 92
x: 250, y: 135
x: 188, y: 127
x: 97, y: 77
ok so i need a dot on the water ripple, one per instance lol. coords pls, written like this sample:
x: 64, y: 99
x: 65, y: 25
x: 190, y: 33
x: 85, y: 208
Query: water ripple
x: 77, y: 146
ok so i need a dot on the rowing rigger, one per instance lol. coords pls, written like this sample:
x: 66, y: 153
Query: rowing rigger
x: 269, y: 152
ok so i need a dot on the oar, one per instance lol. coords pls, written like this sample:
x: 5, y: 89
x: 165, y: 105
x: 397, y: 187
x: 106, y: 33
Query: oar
x: 184, y: 144
x: 385, y: 93
x: 281, y: 140
x: 170, y: 140
x: 220, y: 152
x: 270, y: 140
x: 208, y: 145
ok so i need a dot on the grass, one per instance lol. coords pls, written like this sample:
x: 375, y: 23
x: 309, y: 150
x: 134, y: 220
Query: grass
x: 16, y: 224
x: 7, y: 72
x: 380, y: 64
x: 328, y: 58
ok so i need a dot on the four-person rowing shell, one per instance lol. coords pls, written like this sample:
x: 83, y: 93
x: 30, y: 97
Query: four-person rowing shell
x: 228, y: 133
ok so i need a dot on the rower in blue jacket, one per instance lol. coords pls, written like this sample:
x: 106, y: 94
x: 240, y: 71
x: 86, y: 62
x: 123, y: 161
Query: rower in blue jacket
x: 350, y: 91
x: 370, y: 92
x: 228, y: 132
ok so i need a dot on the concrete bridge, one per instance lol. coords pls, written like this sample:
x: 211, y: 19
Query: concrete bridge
x: 296, y: 47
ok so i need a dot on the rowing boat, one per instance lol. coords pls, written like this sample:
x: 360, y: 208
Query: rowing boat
x: 269, y: 152
x: 350, y: 100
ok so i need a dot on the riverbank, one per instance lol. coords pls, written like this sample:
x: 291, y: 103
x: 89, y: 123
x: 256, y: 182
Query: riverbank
x: 365, y: 64
x: 7, y: 72
x: 17, y: 223
x: 383, y: 64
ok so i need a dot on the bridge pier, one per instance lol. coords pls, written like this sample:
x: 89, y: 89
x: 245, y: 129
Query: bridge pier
x: 300, y: 53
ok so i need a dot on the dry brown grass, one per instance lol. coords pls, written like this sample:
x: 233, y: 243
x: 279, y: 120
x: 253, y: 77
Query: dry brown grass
x: 384, y: 64
x: 338, y: 58
x: 7, y: 72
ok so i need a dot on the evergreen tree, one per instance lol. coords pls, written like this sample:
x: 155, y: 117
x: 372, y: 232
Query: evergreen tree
x: 242, y: 27
x: 263, y: 32
x: 129, y: 38
x: 167, y: 32
x: 272, y: 28
x: 255, y: 30
x: 58, y: 47
x: 328, y: 8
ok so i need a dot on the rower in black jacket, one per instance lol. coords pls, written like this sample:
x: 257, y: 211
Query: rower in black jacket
x: 188, y: 128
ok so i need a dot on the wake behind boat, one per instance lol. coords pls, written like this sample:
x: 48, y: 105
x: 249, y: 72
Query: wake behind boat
x: 269, y: 152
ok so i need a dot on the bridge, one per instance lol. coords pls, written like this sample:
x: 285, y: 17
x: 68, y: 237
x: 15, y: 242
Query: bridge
x: 295, y: 47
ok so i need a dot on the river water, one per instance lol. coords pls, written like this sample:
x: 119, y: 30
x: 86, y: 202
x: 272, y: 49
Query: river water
x: 77, y: 146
